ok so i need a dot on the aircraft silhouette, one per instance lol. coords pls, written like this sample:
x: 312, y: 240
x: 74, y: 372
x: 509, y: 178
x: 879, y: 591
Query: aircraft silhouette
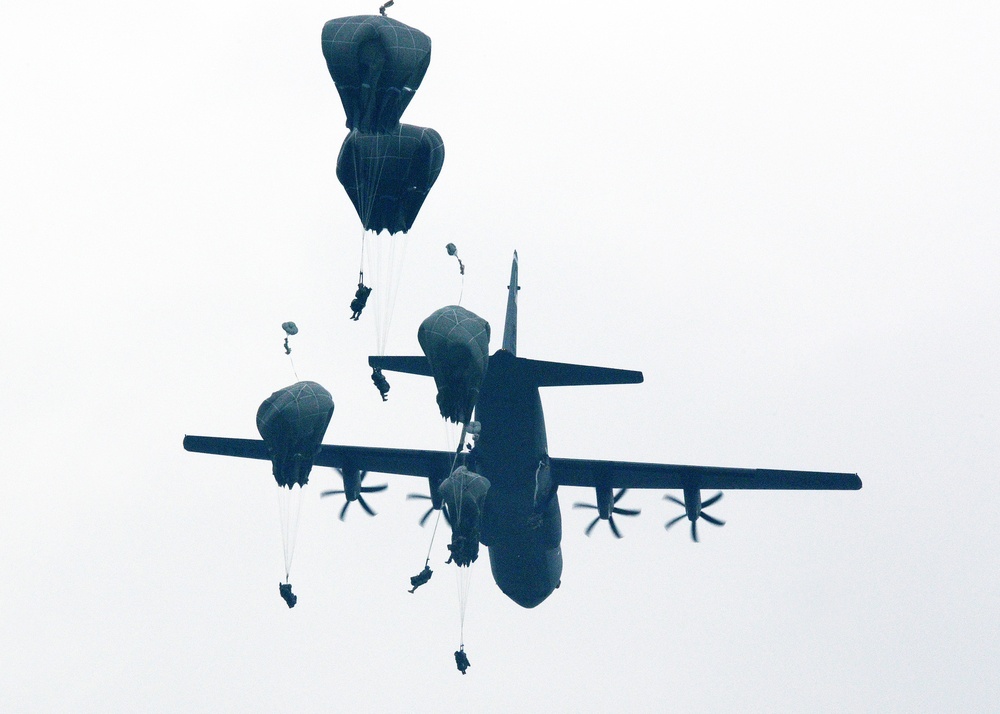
x: 521, y: 522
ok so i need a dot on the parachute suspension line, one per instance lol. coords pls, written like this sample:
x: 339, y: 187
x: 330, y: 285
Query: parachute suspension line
x: 463, y: 581
x: 437, y: 520
x: 385, y: 259
x: 289, y: 506
x: 361, y: 268
x: 454, y: 460
x: 294, y: 371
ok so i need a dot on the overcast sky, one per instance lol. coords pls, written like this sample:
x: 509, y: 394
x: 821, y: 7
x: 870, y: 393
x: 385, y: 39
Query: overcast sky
x: 785, y: 214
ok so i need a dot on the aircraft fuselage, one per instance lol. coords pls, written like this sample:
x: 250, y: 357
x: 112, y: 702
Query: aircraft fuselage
x: 521, y: 524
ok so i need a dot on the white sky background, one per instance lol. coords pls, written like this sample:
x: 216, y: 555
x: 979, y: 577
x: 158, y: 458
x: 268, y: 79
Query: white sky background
x: 785, y: 214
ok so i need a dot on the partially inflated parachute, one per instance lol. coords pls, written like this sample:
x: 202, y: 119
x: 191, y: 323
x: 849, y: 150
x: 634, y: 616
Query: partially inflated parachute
x: 456, y: 342
x: 292, y: 422
x: 464, y: 494
x: 377, y: 64
x: 388, y: 175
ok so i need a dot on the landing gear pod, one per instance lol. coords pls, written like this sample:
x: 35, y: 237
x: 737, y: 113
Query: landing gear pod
x: 292, y: 423
x: 456, y: 343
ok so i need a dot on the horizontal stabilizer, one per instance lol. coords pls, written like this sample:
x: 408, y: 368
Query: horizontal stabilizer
x: 560, y: 374
x: 630, y: 474
x: 410, y: 365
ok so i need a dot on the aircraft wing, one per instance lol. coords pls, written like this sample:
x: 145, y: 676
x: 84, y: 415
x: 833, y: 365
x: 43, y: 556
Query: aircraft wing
x: 630, y: 474
x: 410, y: 462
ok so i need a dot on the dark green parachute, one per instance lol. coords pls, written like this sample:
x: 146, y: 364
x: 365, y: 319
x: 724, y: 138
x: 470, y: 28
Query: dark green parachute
x: 377, y: 64
x: 464, y: 494
x: 388, y: 175
x: 292, y: 422
x: 456, y: 343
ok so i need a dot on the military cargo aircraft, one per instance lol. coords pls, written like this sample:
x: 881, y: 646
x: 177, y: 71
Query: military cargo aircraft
x: 520, y: 522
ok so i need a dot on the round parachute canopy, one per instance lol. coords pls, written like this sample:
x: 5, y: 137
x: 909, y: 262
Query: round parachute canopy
x: 452, y: 249
x: 290, y: 328
x: 464, y: 495
x: 292, y: 422
x: 377, y: 64
x: 456, y: 342
x: 389, y: 175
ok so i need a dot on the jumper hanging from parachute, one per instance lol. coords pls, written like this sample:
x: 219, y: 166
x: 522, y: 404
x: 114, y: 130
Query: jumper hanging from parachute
x: 456, y: 343
x: 290, y: 329
x: 386, y: 168
x: 292, y: 423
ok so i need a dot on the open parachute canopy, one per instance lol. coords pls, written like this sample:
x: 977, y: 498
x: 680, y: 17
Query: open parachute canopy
x: 292, y: 423
x: 464, y: 495
x: 456, y: 342
x: 388, y: 175
x: 377, y: 64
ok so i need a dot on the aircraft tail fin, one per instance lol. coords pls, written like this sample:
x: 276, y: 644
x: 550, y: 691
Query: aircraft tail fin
x: 510, y: 322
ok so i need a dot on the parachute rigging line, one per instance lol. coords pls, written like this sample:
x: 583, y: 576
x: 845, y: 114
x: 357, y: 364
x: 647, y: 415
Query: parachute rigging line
x: 437, y: 520
x: 289, y: 506
x: 463, y: 581
x: 384, y: 261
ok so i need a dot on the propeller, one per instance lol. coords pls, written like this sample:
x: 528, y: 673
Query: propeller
x: 353, y: 489
x: 607, y: 510
x: 422, y: 497
x: 694, y: 509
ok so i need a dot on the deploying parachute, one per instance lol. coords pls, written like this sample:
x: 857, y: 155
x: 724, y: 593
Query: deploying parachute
x: 388, y: 175
x: 456, y: 342
x: 290, y: 329
x: 464, y: 494
x: 292, y: 422
x: 377, y: 64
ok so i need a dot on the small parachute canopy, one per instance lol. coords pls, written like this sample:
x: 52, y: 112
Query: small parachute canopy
x: 452, y: 249
x: 388, y: 176
x: 456, y: 342
x: 464, y: 494
x: 290, y: 328
x: 292, y: 423
x: 377, y: 64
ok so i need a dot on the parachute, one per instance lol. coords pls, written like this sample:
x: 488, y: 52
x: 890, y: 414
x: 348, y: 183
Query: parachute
x: 388, y: 175
x: 290, y: 329
x: 387, y: 168
x: 377, y: 64
x: 456, y: 342
x: 453, y: 250
x: 292, y: 422
x: 464, y: 493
